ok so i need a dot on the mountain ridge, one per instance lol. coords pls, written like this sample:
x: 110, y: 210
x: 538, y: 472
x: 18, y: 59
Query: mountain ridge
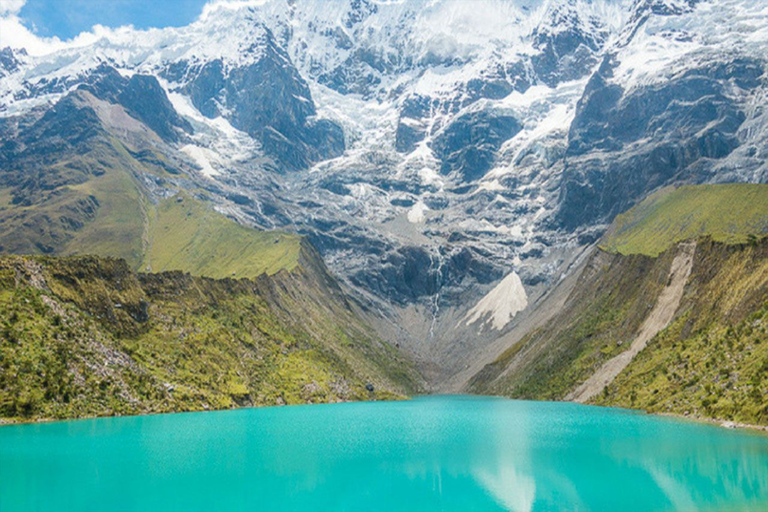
x: 428, y: 149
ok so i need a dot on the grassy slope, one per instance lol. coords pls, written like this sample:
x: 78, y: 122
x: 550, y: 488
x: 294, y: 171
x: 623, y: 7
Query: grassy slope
x: 84, y: 336
x: 287, y: 337
x: 178, y: 233
x: 711, y: 361
x: 81, y: 203
x: 89, y: 197
x: 119, y: 226
x: 726, y: 213
x: 185, y: 234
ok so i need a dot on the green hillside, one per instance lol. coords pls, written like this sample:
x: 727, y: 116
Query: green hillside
x: 712, y: 360
x: 110, y: 214
x: 85, y: 336
x: 185, y: 234
x: 709, y: 361
x: 727, y: 213
x: 92, y: 192
x: 80, y: 202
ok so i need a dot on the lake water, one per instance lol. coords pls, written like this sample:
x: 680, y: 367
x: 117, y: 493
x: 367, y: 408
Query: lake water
x: 434, y: 453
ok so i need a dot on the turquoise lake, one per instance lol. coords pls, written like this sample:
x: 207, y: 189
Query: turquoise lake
x: 432, y: 453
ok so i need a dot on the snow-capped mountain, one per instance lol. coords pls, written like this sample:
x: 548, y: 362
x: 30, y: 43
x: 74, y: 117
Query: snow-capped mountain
x: 435, y: 150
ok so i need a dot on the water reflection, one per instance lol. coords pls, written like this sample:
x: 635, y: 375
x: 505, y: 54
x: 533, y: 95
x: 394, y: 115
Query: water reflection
x: 515, y: 491
x: 505, y: 471
x: 710, y: 469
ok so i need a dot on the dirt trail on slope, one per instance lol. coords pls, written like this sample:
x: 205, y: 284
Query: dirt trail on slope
x: 659, y: 318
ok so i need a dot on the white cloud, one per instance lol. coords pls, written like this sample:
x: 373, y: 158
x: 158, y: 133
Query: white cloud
x: 215, y: 5
x: 11, y: 7
x: 14, y: 33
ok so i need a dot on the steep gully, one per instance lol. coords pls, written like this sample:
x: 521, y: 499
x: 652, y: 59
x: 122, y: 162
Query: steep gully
x: 659, y: 318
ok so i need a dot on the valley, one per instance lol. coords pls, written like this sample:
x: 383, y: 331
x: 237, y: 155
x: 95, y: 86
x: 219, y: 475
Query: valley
x: 384, y: 255
x: 547, y: 200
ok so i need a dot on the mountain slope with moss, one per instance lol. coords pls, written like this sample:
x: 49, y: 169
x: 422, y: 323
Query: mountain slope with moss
x: 102, y: 186
x: 728, y: 213
x: 232, y: 315
x: 709, y: 361
x: 85, y: 336
x: 712, y: 360
x: 69, y: 185
x: 186, y: 234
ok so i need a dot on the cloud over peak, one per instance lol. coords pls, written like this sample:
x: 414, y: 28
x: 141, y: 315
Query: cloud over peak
x: 11, y: 7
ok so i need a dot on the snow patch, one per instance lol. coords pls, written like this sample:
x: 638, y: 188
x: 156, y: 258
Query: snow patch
x: 204, y: 158
x: 417, y: 213
x: 429, y: 176
x: 502, y: 303
x: 491, y: 186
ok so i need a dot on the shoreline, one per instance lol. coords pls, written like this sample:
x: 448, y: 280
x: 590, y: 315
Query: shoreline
x: 728, y: 424
x: 5, y: 422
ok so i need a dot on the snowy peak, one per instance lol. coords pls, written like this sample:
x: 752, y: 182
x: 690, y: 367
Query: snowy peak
x: 352, y: 46
x: 568, y: 39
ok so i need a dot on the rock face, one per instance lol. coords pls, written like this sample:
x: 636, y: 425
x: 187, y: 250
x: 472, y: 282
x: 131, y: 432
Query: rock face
x: 429, y: 148
x: 652, y: 136
x: 270, y: 101
x: 568, y: 45
x: 9, y: 63
x: 143, y: 99
x: 469, y: 144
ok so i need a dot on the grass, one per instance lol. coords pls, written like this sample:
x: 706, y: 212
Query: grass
x: 85, y: 336
x: 118, y: 229
x: 712, y: 361
x: 88, y: 202
x: 727, y: 213
x: 186, y: 234
x: 178, y: 233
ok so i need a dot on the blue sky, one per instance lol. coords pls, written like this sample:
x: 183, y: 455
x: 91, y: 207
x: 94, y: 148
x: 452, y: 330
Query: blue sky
x: 67, y: 18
